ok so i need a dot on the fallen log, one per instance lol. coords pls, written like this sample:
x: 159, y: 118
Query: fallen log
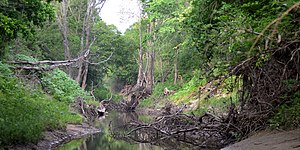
x: 50, y: 65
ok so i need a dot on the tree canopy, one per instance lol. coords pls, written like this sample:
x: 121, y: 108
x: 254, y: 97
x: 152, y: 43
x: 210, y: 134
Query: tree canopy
x: 20, y: 16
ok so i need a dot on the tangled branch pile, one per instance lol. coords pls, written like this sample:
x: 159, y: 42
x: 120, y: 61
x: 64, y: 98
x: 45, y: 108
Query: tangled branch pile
x: 265, y: 88
x: 177, y: 130
x: 270, y: 83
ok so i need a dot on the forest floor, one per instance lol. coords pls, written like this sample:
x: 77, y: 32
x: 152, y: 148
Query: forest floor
x: 270, y: 140
x: 52, y: 139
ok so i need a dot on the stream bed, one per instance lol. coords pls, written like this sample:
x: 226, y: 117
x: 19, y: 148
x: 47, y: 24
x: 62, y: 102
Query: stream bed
x: 105, y: 141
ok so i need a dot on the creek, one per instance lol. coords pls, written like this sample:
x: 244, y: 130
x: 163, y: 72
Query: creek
x: 105, y: 140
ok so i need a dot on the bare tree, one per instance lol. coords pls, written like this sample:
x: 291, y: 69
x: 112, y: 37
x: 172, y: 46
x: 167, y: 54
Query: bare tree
x: 140, y: 78
x: 93, y: 9
x: 150, y: 60
x: 63, y: 26
x: 145, y: 78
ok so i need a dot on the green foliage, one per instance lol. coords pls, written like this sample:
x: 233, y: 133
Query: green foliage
x: 157, y: 98
x: 58, y: 84
x: 159, y: 87
x: 223, y: 31
x: 287, y: 115
x: 102, y: 93
x: 215, y: 104
x: 189, y: 88
x: 19, y: 16
x: 25, y: 113
x: 22, y: 57
x: 148, y: 102
x: 4, y: 70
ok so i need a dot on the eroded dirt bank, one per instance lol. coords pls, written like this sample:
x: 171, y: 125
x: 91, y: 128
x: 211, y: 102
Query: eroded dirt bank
x: 270, y: 140
x: 52, y: 139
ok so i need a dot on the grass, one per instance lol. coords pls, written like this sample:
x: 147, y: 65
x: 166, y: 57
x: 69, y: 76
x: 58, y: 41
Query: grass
x: 157, y: 99
x: 185, y: 94
x: 218, y: 103
x: 215, y: 105
x: 148, y: 102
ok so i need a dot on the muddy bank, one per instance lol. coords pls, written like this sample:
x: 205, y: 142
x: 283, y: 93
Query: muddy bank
x: 270, y: 140
x: 52, y: 139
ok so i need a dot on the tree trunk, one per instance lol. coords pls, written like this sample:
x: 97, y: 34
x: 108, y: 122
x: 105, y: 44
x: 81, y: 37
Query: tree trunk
x: 88, y: 28
x: 140, y: 78
x: 63, y: 25
x: 162, y: 78
x: 176, y: 67
x: 85, y: 47
x: 150, y: 61
x: 85, y: 72
x: 78, y: 78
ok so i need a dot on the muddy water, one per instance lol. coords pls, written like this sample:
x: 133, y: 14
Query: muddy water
x: 105, y: 141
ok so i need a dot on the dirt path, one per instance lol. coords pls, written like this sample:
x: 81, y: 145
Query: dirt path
x: 274, y: 140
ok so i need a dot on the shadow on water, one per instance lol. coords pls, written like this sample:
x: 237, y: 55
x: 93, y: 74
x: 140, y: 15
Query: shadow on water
x: 105, y: 141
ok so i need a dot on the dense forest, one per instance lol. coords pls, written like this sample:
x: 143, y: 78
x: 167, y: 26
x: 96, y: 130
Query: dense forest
x: 235, y: 62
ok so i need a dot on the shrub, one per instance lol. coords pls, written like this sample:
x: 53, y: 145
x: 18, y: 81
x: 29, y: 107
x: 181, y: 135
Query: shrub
x: 24, y: 113
x: 58, y: 84
x: 288, y: 114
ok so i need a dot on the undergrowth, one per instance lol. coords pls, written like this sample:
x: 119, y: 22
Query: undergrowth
x: 61, y: 87
x: 287, y: 115
x: 157, y: 98
x: 215, y: 105
x: 184, y: 94
x: 103, y: 93
x: 25, y: 113
x: 226, y: 95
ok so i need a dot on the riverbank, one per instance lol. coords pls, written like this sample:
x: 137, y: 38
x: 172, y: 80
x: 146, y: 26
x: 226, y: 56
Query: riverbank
x: 52, y: 139
x: 269, y: 140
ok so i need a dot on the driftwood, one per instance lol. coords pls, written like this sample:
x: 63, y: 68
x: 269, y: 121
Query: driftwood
x: 48, y: 65
x: 90, y: 112
x: 132, y: 94
x: 177, y: 130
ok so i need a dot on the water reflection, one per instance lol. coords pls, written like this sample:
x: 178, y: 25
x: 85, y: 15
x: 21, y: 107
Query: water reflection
x: 104, y: 141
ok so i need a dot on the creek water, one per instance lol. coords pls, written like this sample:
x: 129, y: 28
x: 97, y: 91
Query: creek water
x: 105, y: 141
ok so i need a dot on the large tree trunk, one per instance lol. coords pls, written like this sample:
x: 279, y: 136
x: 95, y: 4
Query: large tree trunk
x: 63, y: 25
x: 150, y: 61
x: 85, y: 72
x: 90, y: 9
x: 86, y: 46
x: 140, y: 78
x: 145, y: 80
